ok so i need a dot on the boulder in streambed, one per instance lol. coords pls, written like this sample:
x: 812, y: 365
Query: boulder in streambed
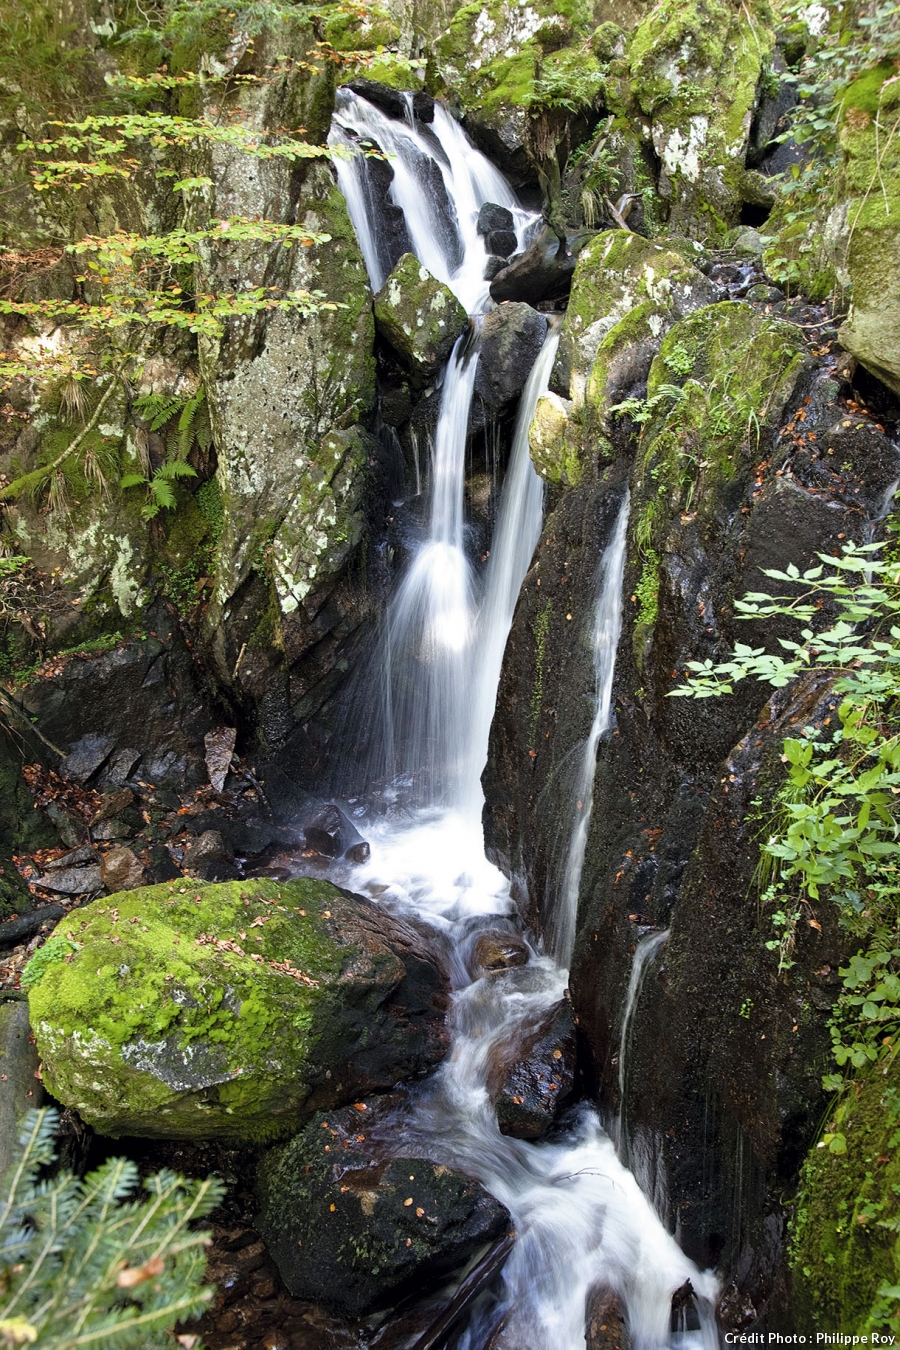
x: 496, y: 950
x: 541, y: 272
x: 356, y: 1231
x: 419, y: 316
x: 492, y: 217
x: 229, y: 1011
x: 533, y: 1076
x: 511, y: 338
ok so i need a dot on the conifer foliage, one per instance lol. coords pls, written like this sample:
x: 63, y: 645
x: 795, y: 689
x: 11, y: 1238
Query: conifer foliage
x: 87, y: 1262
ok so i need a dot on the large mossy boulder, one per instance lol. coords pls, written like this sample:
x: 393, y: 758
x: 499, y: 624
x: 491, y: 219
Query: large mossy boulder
x: 619, y: 275
x: 695, y: 70
x: 419, y: 316
x: 871, y: 176
x: 627, y: 292
x: 353, y: 1229
x: 195, y: 1011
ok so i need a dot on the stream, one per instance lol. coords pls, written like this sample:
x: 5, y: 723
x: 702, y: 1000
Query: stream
x: 582, y: 1221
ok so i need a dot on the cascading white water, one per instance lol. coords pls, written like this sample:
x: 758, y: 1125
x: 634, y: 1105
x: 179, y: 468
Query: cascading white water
x: 428, y: 641
x: 604, y: 640
x: 581, y: 1219
x: 432, y: 166
x: 516, y: 535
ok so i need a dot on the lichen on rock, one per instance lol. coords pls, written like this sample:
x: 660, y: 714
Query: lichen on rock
x: 419, y: 316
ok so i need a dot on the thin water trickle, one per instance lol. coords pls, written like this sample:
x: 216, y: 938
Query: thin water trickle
x: 644, y: 956
x: 604, y: 640
x: 581, y: 1219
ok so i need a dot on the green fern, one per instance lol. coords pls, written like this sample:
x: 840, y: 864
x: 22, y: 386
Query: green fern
x: 185, y: 420
x: 83, y: 1263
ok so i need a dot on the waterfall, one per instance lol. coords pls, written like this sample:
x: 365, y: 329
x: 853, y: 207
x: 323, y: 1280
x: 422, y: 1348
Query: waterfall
x: 604, y: 641
x: 439, y: 183
x: 581, y: 1219
x: 426, y: 657
x: 644, y: 956
x: 516, y: 535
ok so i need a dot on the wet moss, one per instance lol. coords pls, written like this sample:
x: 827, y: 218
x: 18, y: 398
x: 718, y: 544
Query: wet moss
x: 844, y: 1243
x: 171, y: 1009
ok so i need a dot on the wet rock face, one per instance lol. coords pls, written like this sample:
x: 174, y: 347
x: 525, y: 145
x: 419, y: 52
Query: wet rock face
x: 355, y: 1230
x: 672, y: 840
x: 533, y: 1076
x: 494, y: 951
x: 392, y: 102
x: 511, y: 338
x: 192, y: 1011
x: 540, y: 273
x: 332, y: 833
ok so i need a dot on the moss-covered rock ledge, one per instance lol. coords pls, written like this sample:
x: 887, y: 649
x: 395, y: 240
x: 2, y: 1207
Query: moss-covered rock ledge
x: 192, y: 1011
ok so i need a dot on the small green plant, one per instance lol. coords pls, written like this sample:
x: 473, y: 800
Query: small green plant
x: 86, y: 1263
x: 160, y: 492
x: 835, y: 831
x: 647, y: 588
x: 641, y: 410
x: 679, y: 359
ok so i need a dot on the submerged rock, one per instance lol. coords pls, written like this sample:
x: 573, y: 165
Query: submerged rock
x: 495, y: 950
x: 419, y: 316
x: 192, y: 1011
x: 356, y: 1231
x: 607, y: 1328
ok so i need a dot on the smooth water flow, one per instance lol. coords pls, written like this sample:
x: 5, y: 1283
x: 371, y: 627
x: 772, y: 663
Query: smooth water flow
x: 516, y: 535
x: 439, y: 182
x: 604, y: 640
x: 426, y: 653
x: 582, y: 1222
x: 644, y: 956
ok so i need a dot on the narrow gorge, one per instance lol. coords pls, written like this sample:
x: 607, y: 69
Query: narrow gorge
x: 449, y: 650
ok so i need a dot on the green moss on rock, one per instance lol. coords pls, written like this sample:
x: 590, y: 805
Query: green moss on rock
x: 721, y: 378
x: 186, y: 1010
x: 695, y: 70
x: 619, y: 273
x: 871, y: 185
x: 554, y: 442
x: 419, y: 316
x: 844, y: 1244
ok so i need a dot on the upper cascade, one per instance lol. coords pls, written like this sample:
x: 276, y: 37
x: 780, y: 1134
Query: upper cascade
x: 418, y: 187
